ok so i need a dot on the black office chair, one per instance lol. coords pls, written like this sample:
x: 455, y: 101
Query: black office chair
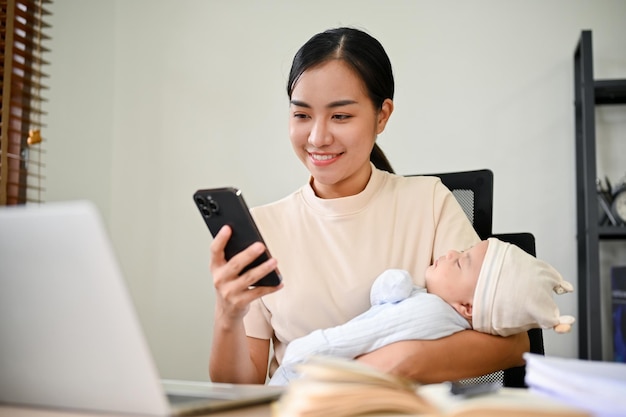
x: 474, y: 192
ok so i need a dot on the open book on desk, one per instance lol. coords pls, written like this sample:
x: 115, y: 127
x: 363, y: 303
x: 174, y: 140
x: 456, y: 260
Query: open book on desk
x: 344, y: 388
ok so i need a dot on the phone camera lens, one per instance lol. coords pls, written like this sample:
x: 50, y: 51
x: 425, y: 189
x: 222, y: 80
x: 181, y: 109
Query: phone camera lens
x: 202, y: 205
x: 213, y: 206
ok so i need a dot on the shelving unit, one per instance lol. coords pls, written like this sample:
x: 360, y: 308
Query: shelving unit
x: 590, y: 93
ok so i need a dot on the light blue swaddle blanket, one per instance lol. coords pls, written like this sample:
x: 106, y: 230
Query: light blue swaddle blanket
x: 400, y: 311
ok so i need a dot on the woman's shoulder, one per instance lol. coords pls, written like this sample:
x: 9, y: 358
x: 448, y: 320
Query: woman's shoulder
x: 413, y: 183
x: 415, y: 192
x: 423, y: 180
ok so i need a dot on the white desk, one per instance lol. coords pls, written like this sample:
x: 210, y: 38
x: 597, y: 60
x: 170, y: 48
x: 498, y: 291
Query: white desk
x: 6, y: 411
x: 516, y: 402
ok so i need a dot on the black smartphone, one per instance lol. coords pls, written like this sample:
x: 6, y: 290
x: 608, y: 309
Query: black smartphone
x: 473, y: 389
x: 226, y: 206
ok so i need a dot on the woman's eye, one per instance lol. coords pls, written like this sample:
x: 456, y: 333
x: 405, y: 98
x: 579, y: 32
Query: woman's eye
x: 341, y: 116
x: 299, y: 116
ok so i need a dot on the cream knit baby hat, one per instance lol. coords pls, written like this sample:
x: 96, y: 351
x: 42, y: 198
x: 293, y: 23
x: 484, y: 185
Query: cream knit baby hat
x: 514, y: 293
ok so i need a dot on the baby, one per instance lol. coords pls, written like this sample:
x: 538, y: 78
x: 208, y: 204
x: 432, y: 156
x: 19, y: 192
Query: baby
x: 494, y: 287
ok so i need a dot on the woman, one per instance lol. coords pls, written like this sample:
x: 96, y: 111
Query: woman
x: 337, y: 233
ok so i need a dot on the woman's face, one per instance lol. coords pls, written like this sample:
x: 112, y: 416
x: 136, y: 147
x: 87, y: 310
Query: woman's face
x: 333, y: 126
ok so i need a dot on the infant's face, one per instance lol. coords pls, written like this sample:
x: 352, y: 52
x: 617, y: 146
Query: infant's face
x: 453, y: 276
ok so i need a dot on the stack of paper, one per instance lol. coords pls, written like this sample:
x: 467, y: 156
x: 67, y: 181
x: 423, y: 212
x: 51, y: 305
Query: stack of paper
x: 599, y: 387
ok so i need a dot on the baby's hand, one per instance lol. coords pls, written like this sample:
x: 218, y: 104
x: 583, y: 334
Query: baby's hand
x: 392, y: 286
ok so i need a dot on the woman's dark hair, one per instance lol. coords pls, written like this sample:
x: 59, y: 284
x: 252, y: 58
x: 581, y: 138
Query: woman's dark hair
x: 360, y: 51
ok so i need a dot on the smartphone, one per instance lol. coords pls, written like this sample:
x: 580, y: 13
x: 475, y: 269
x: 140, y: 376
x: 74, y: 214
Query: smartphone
x: 473, y: 389
x: 226, y: 206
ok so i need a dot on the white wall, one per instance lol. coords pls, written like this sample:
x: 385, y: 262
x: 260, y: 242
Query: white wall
x: 153, y: 99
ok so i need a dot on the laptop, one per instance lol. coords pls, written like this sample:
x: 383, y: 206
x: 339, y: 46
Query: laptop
x: 69, y: 334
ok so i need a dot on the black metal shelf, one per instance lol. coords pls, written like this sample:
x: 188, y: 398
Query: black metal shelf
x: 610, y: 91
x: 612, y: 232
x: 587, y: 94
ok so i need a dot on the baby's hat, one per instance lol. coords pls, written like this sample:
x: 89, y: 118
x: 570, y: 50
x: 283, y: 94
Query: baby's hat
x: 514, y: 293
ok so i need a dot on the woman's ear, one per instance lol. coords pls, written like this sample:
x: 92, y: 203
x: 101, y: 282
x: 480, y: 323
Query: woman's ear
x: 383, y: 115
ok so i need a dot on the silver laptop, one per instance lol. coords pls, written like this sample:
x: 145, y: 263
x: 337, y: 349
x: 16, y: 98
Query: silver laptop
x: 69, y: 335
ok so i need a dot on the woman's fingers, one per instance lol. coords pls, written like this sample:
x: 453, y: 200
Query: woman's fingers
x: 218, y: 245
x: 227, y: 277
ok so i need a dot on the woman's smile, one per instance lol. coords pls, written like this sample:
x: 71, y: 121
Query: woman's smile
x: 321, y: 159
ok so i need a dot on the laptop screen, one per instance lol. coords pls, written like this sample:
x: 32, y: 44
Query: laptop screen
x: 70, y: 334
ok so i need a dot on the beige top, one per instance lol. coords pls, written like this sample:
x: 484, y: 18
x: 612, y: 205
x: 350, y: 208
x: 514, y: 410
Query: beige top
x: 330, y: 251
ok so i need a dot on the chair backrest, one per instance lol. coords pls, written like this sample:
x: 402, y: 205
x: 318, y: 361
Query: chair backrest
x: 514, y: 377
x: 474, y: 192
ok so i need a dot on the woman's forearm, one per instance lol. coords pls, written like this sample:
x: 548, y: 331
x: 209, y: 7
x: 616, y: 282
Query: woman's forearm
x: 464, y: 354
x: 232, y: 354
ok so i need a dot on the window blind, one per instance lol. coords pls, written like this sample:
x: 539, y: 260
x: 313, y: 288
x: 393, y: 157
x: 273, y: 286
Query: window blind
x: 22, y: 147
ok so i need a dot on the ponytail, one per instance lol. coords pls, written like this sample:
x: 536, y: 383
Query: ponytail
x: 380, y: 161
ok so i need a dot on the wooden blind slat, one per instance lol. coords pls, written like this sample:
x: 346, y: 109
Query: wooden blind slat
x: 19, y: 132
x: 28, y: 43
x: 28, y: 91
x: 25, y: 108
x: 28, y: 115
x: 23, y: 171
x: 26, y: 85
x: 36, y: 151
x: 23, y: 112
x: 26, y: 187
x: 34, y: 32
x: 33, y: 176
x: 18, y: 158
x: 31, y: 122
x: 25, y: 48
x: 26, y: 95
x: 32, y: 17
x: 30, y: 57
x: 34, y: 4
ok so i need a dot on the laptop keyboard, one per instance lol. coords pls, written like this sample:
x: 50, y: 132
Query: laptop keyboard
x: 176, y: 399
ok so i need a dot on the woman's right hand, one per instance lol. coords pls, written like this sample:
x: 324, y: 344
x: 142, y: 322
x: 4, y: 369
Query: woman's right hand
x: 235, y: 357
x: 233, y: 291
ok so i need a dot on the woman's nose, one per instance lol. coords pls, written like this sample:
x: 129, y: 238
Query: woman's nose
x: 320, y: 135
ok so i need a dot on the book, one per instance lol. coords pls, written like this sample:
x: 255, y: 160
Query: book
x: 596, y: 386
x: 618, y: 293
x: 339, y: 387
